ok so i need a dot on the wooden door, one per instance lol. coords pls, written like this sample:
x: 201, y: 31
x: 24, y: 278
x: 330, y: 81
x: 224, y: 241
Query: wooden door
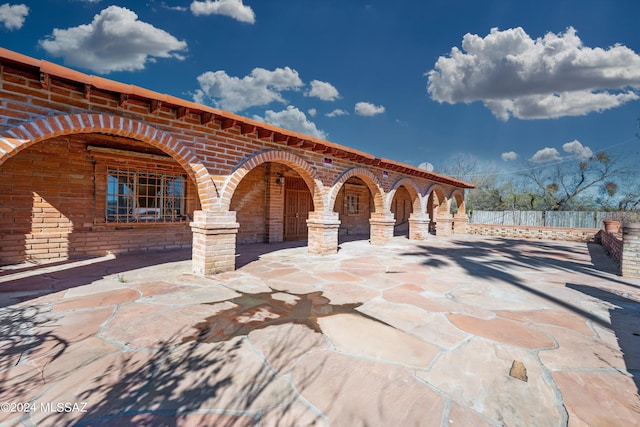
x: 297, y: 204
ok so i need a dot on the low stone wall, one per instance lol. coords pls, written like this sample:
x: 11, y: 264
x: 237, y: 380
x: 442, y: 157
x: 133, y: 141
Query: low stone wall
x: 612, y: 243
x: 530, y: 232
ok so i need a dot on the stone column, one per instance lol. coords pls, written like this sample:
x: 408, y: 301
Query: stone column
x: 381, y: 228
x: 214, y: 242
x: 630, y: 262
x: 323, y: 233
x: 419, y: 226
x: 460, y: 222
x: 443, y: 224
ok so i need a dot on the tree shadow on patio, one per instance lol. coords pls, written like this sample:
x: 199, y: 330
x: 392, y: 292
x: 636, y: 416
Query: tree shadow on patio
x: 501, y: 260
x: 226, y: 383
x: 217, y: 374
x: 624, y: 314
x: 475, y: 257
x: 25, y: 331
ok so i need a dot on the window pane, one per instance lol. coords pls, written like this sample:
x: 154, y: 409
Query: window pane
x: 142, y: 196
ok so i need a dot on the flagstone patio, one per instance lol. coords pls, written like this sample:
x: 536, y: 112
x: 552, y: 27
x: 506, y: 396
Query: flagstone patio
x: 409, y: 334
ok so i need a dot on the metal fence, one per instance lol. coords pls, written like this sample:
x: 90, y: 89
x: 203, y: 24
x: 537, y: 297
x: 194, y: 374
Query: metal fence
x: 572, y: 219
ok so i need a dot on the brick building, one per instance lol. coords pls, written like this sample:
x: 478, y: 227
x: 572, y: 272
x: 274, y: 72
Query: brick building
x: 90, y: 166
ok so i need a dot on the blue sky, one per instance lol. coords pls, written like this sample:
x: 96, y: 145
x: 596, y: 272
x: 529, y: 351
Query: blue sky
x: 413, y: 81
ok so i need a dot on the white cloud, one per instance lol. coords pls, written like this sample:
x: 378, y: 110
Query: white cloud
x: 337, y: 112
x: 13, y: 16
x: 312, y: 112
x: 579, y: 150
x: 114, y: 41
x: 261, y: 87
x: 549, y: 77
x: 292, y: 119
x: 176, y: 8
x: 547, y: 154
x: 509, y: 156
x: 323, y: 90
x: 368, y: 109
x: 232, y: 8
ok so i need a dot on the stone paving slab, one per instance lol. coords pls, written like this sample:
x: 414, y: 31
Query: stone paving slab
x: 413, y: 333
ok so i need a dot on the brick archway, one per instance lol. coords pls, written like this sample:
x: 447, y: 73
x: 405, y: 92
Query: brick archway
x: 438, y: 206
x: 372, y: 182
x: 14, y: 140
x: 414, y: 191
x: 458, y: 196
x: 288, y: 159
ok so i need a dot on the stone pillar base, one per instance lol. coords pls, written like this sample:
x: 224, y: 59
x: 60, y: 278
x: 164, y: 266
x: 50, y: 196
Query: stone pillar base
x: 323, y: 233
x: 630, y: 262
x: 443, y: 225
x: 419, y: 227
x: 460, y: 224
x: 381, y: 228
x: 214, y: 242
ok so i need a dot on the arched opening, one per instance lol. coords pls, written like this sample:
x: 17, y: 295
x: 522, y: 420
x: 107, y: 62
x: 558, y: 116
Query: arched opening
x: 457, y: 204
x: 272, y: 203
x: 436, y: 202
x: 91, y: 194
x: 402, y: 208
x: 271, y: 194
x: 458, y: 212
x: 454, y: 206
x: 354, y: 204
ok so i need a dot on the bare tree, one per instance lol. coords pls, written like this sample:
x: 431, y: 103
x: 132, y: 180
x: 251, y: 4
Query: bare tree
x: 488, y: 193
x: 569, y: 184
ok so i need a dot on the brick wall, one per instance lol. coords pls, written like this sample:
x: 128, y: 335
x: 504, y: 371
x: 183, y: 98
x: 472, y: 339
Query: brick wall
x: 249, y: 203
x: 220, y: 146
x: 52, y: 208
x: 612, y: 243
x: 524, y: 232
x: 57, y: 115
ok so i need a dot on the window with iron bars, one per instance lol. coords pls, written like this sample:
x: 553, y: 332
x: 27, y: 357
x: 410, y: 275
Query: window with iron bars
x: 143, y: 196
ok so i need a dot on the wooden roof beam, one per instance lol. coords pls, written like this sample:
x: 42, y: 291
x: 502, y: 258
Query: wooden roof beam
x: 154, y: 106
x: 227, y: 123
x: 279, y: 137
x: 206, y: 118
x: 294, y: 142
x: 320, y: 148
x: 307, y: 144
x: 264, y: 133
x: 246, y: 128
x: 181, y: 112
x: 44, y: 80
x: 123, y: 99
x: 341, y: 154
